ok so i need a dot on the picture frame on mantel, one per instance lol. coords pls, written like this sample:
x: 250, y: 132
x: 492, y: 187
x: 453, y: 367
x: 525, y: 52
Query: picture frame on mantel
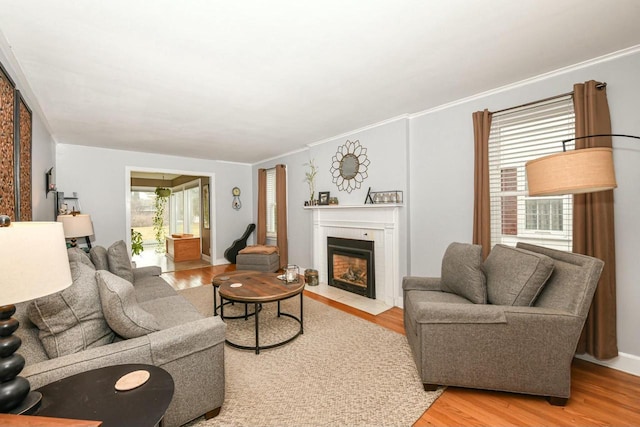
x: 323, y: 197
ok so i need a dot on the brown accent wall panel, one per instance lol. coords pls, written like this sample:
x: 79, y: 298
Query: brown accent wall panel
x: 25, y: 120
x: 7, y: 150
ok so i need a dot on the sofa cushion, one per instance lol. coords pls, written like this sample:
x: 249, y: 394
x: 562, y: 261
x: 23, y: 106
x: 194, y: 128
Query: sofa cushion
x: 259, y: 249
x: 121, y: 308
x: 462, y: 272
x: 515, y: 276
x: 99, y: 257
x: 71, y: 320
x: 119, y: 262
x: 78, y: 255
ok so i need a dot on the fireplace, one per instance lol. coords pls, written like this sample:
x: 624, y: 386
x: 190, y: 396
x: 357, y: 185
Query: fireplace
x: 351, y: 265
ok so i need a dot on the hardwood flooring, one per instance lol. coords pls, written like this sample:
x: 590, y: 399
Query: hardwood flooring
x: 600, y: 396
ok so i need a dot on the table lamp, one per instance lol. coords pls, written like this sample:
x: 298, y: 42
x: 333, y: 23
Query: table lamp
x: 33, y: 264
x: 77, y: 225
x: 586, y: 170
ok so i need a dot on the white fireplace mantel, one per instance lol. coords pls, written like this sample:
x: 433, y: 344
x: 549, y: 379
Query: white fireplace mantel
x: 376, y: 222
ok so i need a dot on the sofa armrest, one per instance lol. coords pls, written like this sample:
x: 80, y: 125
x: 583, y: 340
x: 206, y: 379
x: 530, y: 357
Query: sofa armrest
x: 182, y: 340
x: 135, y: 350
x: 152, y: 270
x: 415, y: 283
x: 435, y: 312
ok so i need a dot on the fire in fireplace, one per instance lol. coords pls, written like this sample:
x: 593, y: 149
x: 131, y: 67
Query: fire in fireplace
x: 351, y: 265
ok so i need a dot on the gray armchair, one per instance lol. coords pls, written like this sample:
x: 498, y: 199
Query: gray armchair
x: 513, y: 325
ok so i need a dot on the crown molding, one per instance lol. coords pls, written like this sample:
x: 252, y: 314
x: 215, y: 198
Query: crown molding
x: 560, y: 71
x: 362, y: 129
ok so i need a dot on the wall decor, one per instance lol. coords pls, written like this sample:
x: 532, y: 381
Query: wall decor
x: 323, y: 197
x: 378, y: 197
x: 349, y: 166
x: 23, y: 159
x: 236, y: 203
x: 7, y: 146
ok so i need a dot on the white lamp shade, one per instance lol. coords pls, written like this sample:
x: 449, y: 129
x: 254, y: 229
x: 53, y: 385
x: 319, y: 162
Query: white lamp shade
x: 33, y: 261
x: 573, y: 172
x: 76, y: 225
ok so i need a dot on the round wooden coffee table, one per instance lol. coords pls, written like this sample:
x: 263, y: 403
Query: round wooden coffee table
x: 257, y: 288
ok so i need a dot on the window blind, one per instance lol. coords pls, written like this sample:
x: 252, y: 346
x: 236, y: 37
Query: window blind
x: 517, y: 136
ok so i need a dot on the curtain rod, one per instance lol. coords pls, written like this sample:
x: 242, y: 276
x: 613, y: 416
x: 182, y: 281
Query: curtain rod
x: 599, y: 86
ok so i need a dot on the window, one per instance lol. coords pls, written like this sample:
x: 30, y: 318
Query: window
x: 185, y: 208
x: 517, y: 136
x: 272, y: 217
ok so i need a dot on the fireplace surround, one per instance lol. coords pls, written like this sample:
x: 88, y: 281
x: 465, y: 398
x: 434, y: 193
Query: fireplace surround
x: 378, y: 223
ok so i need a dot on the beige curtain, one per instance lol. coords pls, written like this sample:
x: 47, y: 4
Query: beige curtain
x: 593, y: 225
x: 481, y: 211
x: 262, y: 206
x: 281, y: 203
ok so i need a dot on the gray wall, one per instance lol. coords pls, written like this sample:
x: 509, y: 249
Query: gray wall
x: 430, y: 156
x: 99, y: 177
x: 441, y: 176
x: 386, y: 146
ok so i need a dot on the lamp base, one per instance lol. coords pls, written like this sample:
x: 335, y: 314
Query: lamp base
x: 29, y: 405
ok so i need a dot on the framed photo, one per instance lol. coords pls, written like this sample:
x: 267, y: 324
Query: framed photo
x: 205, y: 206
x: 323, y: 197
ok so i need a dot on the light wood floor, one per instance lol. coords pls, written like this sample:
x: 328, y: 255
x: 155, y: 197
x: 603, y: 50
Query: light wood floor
x: 599, y: 396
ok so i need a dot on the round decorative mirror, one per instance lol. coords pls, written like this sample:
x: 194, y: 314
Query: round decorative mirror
x: 350, y: 165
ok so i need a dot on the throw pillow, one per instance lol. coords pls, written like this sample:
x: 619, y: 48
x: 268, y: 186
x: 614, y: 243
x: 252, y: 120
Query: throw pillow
x: 71, y: 320
x: 99, y: 257
x: 462, y: 272
x: 516, y: 276
x: 78, y: 255
x: 119, y: 262
x: 121, y: 308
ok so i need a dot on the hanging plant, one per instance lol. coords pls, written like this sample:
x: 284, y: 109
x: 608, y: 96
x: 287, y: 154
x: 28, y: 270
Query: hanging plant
x: 162, y: 197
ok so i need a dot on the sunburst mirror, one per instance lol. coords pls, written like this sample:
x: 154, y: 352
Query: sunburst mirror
x: 349, y: 166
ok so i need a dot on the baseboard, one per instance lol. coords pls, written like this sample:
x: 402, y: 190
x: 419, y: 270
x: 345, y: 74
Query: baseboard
x: 625, y: 362
x: 221, y: 261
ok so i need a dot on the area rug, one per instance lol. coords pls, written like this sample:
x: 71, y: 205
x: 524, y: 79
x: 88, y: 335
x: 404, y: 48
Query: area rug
x: 343, y: 371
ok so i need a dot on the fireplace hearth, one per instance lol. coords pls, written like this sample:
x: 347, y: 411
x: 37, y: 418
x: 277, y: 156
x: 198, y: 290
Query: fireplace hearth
x: 351, y: 265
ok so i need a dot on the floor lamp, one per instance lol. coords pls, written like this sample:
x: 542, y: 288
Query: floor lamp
x: 77, y: 225
x: 586, y: 170
x: 33, y: 264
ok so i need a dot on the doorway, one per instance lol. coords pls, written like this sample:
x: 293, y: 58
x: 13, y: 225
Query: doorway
x: 180, y: 216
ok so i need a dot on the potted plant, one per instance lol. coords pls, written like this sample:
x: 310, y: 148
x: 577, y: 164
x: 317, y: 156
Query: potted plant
x: 136, y: 242
x: 310, y: 178
x: 162, y: 196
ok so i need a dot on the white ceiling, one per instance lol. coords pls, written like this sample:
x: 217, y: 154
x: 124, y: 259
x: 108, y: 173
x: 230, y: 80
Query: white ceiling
x: 248, y: 80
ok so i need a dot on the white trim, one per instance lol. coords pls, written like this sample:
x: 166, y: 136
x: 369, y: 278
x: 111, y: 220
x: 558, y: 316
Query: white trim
x: 221, y: 261
x: 588, y: 63
x: 362, y: 129
x: 382, y: 226
x: 127, y: 198
x: 625, y: 362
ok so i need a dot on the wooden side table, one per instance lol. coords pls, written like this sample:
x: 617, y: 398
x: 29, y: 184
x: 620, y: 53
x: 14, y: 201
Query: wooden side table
x: 183, y: 248
x: 92, y: 395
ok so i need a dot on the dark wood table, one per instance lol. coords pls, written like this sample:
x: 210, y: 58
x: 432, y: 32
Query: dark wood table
x: 91, y: 395
x: 258, y: 288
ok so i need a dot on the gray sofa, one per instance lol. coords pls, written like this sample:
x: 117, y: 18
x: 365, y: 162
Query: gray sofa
x: 510, y: 323
x: 170, y: 333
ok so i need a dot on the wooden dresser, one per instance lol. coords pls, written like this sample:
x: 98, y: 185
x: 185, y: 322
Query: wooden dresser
x: 183, y: 248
